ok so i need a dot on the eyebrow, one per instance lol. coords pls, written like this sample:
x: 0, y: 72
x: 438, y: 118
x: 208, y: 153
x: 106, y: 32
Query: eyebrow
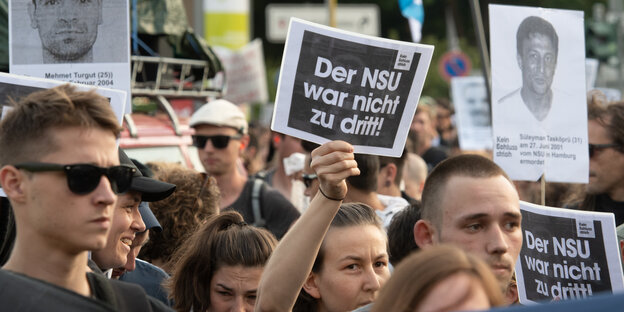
x: 225, y: 287
x: 232, y: 290
x: 349, y: 257
x: 476, y: 216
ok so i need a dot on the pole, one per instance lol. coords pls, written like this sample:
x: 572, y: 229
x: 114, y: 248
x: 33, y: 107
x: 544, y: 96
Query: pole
x: 543, y: 190
x: 485, y: 56
x: 331, y: 9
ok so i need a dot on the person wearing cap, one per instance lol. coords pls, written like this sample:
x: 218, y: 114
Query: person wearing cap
x: 220, y: 138
x: 127, y: 220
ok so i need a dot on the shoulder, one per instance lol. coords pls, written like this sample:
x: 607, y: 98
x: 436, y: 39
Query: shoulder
x: 510, y: 98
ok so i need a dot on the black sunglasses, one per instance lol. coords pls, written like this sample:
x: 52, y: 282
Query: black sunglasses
x: 218, y: 141
x: 595, y: 147
x: 84, y: 178
x: 308, y: 178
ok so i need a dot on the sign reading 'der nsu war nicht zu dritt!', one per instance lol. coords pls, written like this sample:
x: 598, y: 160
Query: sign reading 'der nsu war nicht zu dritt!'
x: 337, y: 85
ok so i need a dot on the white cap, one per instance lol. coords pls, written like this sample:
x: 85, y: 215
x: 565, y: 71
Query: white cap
x: 220, y: 113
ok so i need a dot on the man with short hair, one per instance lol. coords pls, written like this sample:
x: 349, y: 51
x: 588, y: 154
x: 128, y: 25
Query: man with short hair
x: 391, y: 175
x: 605, y: 190
x: 220, y: 138
x: 67, y: 28
x: 537, y: 47
x: 61, y: 173
x: 422, y: 132
x: 414, y: 176
x: 470, y: 202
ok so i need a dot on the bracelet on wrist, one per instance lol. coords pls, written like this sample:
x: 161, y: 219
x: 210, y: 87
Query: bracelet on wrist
x: 330, y: 198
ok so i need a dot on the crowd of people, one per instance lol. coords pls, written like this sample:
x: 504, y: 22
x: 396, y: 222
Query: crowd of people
x: 86, y: 228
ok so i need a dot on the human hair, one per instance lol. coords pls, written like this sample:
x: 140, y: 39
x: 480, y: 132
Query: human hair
x: 415, y: 277
x: 535, y: 25
x: 224, y: 240
x: 369, y: 169
x: 399, y: 162
x: 426, y: 108
x: 349, y: 214
x: 26, y: 131
x: 196, y: 198
x: 468, y: 165
x: 401, y: 233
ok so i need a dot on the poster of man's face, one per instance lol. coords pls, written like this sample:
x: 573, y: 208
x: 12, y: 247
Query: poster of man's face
x: 68, y: 31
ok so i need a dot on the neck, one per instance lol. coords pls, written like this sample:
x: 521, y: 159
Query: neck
x: 36, y: 259
x: 391, y: 190
x: 538, y: 104
x: 617, y: 194
x: 230, y: 185
x: 370, y: 198
x: 423, y: 146
x: 49, y: 58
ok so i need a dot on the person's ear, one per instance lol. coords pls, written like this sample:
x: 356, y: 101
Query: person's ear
x: 424, y: 233
x: 31, y: 13
x: 277, y: 139
x: 244, y: 141
x: 12, y: 182
x: 310, y: 286
x: 519, y: 60
x: 100, y: 19
x: 391, y: 170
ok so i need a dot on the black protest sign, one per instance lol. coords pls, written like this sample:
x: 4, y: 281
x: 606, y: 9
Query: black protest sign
x: 349, y: 88
x: 565, y: 257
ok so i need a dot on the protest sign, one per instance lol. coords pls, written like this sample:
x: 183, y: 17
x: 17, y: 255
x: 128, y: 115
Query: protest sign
x: 567, y: 254
x: 338, y: 85
x: 472, y: 113
x: 16, y: 87
x: 538, y: 93
x: 245, y: 75
x: 91, y: 48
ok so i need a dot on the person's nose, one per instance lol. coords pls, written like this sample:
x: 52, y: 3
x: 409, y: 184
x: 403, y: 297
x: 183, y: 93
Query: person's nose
x: 137, y: 221
x: 372, y: 280
x: 238, y: 305
x: 103, y: 193
x: 497, y: 241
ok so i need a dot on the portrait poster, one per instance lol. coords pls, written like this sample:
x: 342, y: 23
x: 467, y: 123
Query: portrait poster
x: 538, y: 93
x: 86, y: 42
x: 245, y: 74
x: 472, y: 113
x: 339, y: 85
x: 567, y: 254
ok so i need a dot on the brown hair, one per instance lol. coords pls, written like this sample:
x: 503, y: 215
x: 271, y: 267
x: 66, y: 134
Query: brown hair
x: 349, y: 214
x: 369, y: 170
x: 415, y: 277
x: 224, y: 240
x: 196, y: 199
x: 468, y: 165
x: 399, y: 162
x: 25, y: 131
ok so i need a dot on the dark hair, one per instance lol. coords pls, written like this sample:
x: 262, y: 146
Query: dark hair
x: 25, y: 131
x: 195, y: 199
x: 349, y: 214
x: 535, y: 25
x: 399, y: 162
x: 369, y: 169
x: 401, y: 233
x: 224, y: 240
x: 468, y: 165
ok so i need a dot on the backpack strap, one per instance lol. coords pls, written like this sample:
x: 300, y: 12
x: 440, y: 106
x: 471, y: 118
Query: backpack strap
x: 255, y: 203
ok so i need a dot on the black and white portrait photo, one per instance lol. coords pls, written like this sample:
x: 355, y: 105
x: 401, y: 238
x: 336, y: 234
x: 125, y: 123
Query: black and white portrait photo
x: 69, y: 31
x: 539, y: 110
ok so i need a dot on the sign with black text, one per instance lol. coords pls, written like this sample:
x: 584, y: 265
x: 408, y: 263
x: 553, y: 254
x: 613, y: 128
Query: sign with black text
x: 567, y: 254
x: 337, y: 85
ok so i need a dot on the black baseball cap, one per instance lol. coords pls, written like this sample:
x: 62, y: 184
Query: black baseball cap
x: 151, y: 189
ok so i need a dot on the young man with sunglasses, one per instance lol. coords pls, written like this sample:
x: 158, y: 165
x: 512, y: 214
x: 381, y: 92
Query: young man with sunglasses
x: 605, y: 190
x: 220, y: 138
x: 61, y: 173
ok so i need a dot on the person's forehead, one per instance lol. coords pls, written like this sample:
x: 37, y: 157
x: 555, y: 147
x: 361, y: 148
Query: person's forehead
x: 356, y: 241
x: 538, y: 40
x: 214, y: 130
x: 469, y: 197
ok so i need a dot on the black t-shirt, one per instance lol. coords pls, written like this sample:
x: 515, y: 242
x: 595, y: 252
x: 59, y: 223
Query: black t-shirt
x: 604, y: 203
x: 277, y: 211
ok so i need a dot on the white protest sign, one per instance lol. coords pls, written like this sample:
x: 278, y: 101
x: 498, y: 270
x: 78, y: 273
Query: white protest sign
x: 92, y: 48
x: 567, y: 254
x: 245, y: 74
x: 338, y: 85
x: 16, y: 86
x: 472, y: 113
x: 538, y: 93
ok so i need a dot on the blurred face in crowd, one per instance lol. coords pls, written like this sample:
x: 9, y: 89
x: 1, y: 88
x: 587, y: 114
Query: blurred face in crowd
x: 56, y: 216
x: 537, y: 62
x: 422, y: 125
x: 220, y: 161
x: 606, y: 166
x: 482, y: 216
x: 234, y: 288
x: 127, y: 222
x: 353, y: 270
x: 458, y: 292
x: 140, y: 239
x: 67, y: 28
